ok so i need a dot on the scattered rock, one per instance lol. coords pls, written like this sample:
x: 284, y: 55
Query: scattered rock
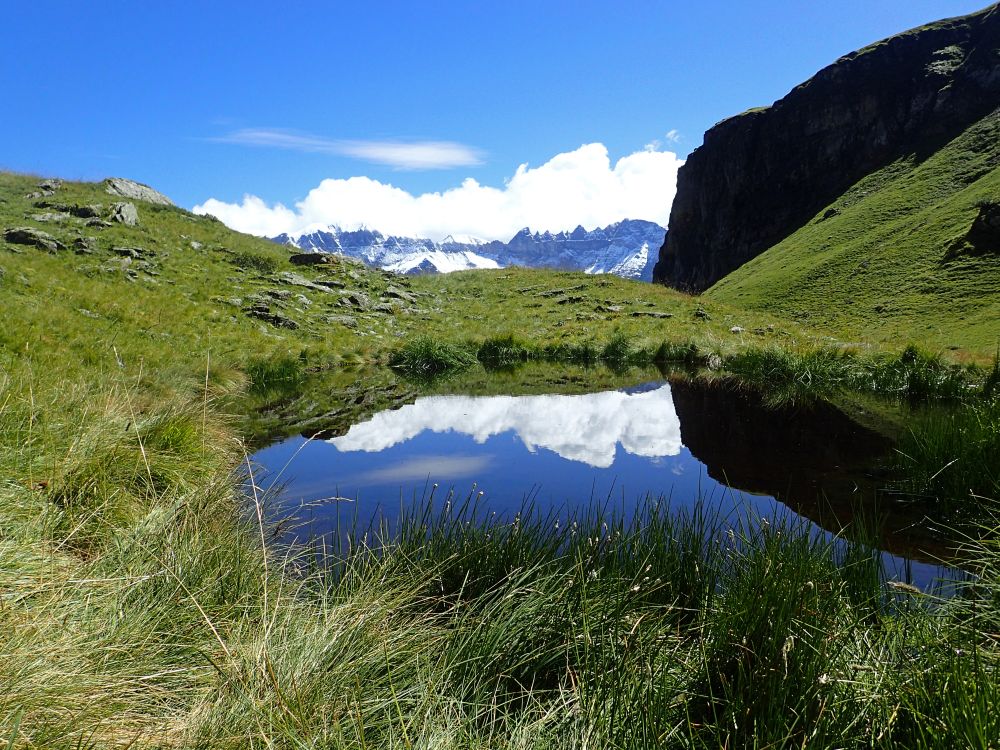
x: 124, y: 213
x: 98, y: 224
x: 398, y: 293
x: 310, y: 259
x: 274, y: 318
x: 85, y: 245
x: 133, y: 252
x: 702, y: 314
x: 829, y: 214
x: 87, y: 313
x: 289, y: 277
x: 278, y: 294
x: 345, y: 320
x: 736, y: 329
x: 34, y: 238
x: 609, y: 308
x: 714, y: 362
x: 384, y: 307
x: 569, y: 300
x: 195, y: 245
x: 231, y: 301
x: 135, y: 191
x: 303, y: 300
x: 91, y: 211
x: 52, y: 184
x: 357, y: 300
x: 651, y: 314
x: 984, y: 234
x: 50, y: 216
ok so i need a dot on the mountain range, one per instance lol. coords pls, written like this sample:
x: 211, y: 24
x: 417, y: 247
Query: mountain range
x: 627, y: 249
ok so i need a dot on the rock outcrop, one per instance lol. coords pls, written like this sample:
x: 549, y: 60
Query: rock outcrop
x: 124, y: 213
x: 761, y: 175
x: 135, y: 191
x: 33, y: 238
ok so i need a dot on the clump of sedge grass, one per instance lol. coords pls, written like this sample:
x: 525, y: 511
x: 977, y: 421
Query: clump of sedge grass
x: 278, y: 375
x: 425, y: 357
x: 503, y: 352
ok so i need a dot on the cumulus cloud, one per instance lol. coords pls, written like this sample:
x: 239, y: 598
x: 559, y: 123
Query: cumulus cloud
x: 397, y: 154
x: 581, y: 187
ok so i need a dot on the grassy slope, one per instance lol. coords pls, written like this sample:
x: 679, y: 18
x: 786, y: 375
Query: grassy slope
x: 877, y: 271
x: 82, y: 314
x: 137, y: 609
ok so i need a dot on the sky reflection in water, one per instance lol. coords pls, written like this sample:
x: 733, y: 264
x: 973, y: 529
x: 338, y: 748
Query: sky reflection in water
x: 562, y: 451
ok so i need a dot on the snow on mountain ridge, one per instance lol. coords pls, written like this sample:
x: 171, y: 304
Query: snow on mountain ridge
x: 623, y: 248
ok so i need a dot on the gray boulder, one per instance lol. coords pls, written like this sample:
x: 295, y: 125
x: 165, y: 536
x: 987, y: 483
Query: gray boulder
x: 135, y: 191
x: 124, y: 213
x: 34, y: 238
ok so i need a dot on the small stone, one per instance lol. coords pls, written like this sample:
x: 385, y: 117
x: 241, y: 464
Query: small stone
x: 736, y: 329
x: 51, y: 185
x: 124, y: 213
x: 702, y: 314
x: 714, y: 362
x: 195, y: 245
x: 98, y: 224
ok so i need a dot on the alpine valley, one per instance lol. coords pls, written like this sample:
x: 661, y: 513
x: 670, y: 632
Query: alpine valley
x: 627, y: 249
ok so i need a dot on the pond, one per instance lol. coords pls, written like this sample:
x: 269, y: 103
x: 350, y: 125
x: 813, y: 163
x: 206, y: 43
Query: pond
x: 685, y: 442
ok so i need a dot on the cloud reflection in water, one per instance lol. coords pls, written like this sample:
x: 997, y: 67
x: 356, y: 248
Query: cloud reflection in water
x: 586, y: 428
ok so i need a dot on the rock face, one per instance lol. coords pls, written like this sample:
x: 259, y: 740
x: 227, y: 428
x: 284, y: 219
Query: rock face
x: 761, y: 175
x: 135, y: 191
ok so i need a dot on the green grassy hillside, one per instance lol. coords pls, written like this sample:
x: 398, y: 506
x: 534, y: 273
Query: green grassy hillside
x: 179, y: 298
x: 888, y: 261
x: 143, y: 606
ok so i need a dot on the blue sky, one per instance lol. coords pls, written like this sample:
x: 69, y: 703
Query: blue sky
x: 218, y: 100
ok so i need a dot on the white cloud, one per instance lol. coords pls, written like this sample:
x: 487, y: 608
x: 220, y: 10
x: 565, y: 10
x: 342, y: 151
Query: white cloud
x: 397, y: 154
x: 572, y: 188
x: 587, y: 428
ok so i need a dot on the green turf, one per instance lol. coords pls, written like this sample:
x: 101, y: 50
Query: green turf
x: 889, y: 264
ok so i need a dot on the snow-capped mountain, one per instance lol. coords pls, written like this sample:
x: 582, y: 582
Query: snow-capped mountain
x: 628, y: 248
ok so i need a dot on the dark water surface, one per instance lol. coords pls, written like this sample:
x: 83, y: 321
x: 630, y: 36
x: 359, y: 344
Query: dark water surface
x: 684, y: 441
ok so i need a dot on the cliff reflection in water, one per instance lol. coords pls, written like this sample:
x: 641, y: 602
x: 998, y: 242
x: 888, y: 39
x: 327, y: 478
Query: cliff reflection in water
x: 812, y: 457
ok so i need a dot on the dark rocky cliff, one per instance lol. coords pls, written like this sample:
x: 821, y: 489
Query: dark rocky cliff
x: 761, y: 175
